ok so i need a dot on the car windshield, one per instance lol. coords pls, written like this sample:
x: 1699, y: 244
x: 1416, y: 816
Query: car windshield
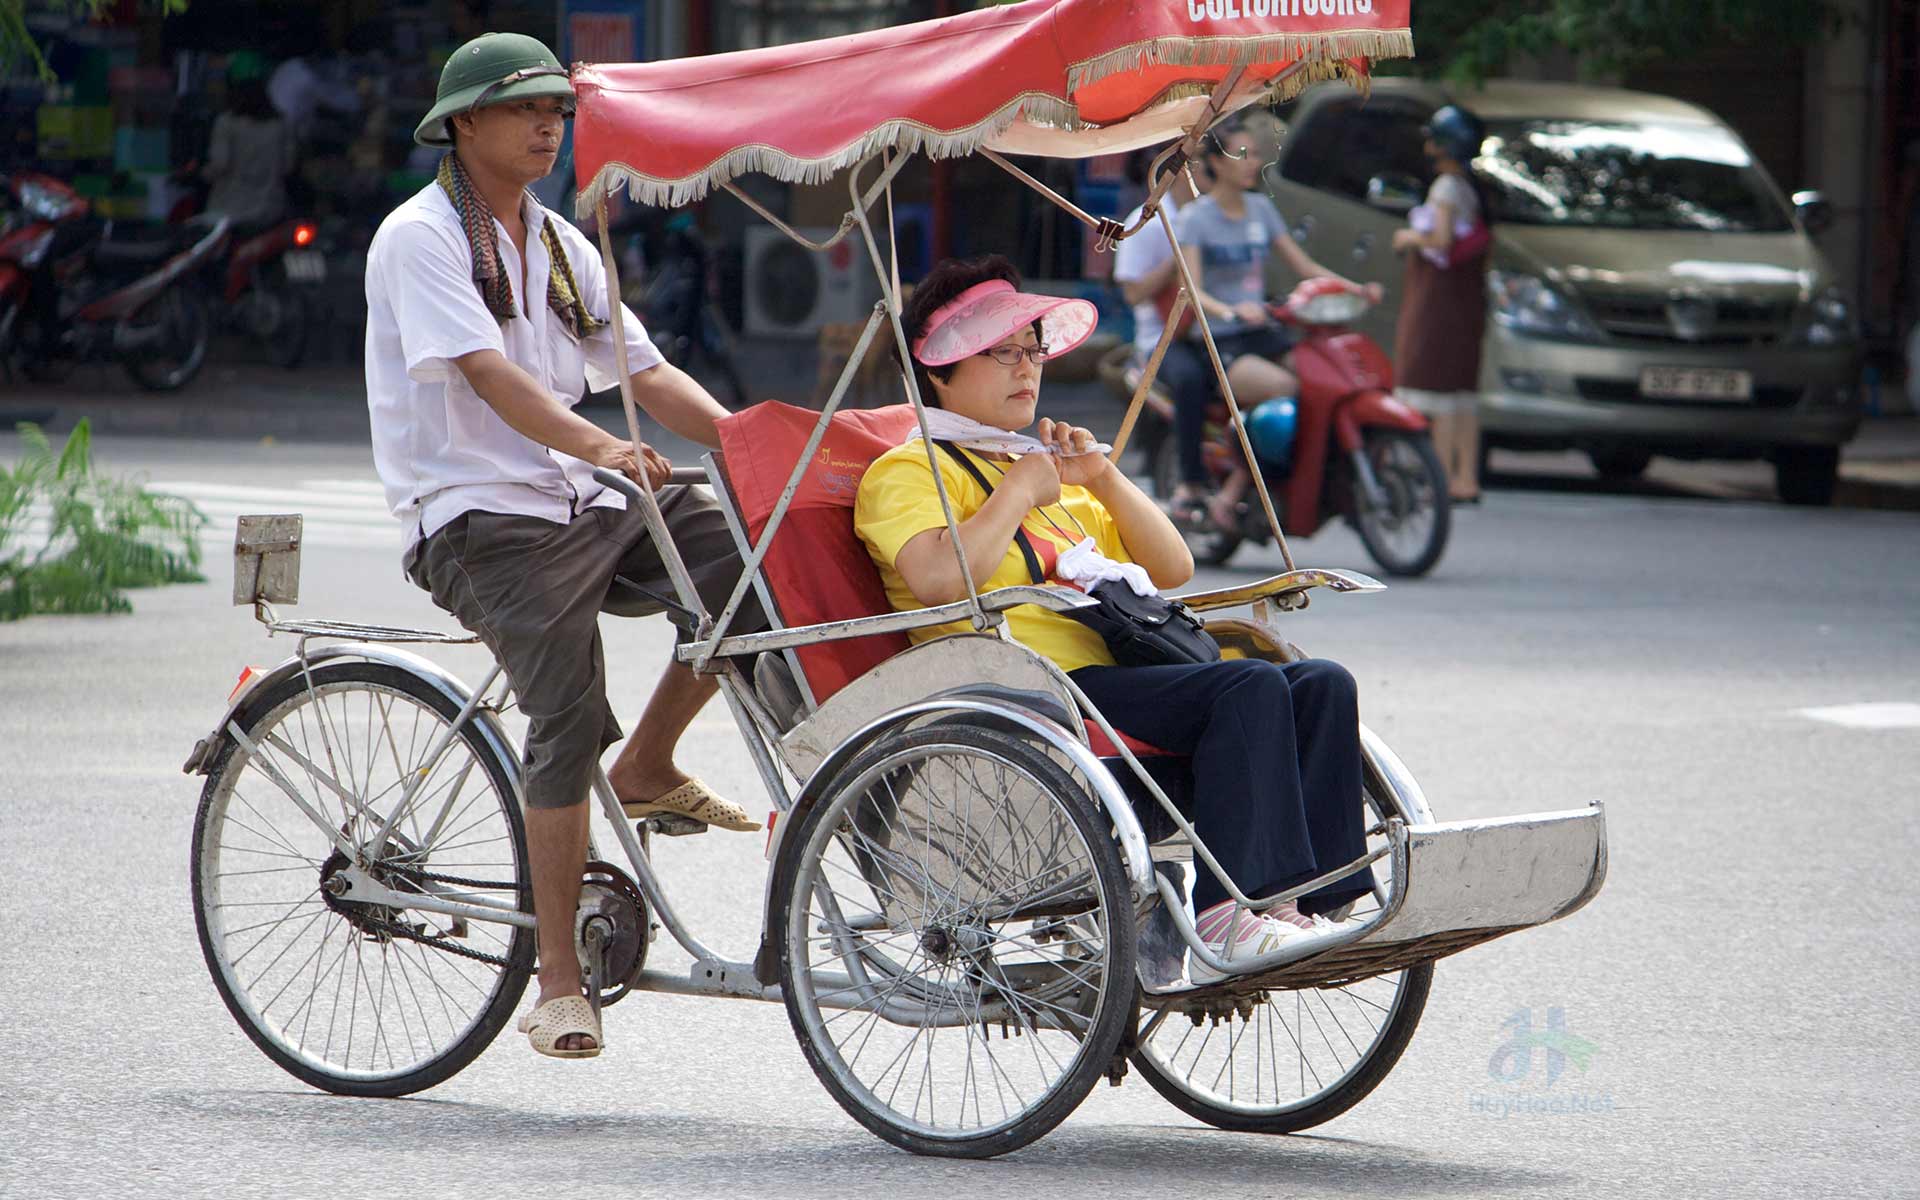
x: 1620, y: 175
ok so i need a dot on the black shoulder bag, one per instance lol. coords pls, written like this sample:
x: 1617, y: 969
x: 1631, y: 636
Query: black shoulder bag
x: 1140, y: 631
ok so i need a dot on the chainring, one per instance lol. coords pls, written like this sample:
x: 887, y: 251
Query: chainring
x: 609, y: 893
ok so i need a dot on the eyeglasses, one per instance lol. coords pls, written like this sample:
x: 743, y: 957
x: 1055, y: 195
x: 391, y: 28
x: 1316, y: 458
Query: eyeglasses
x: 1010, y: 356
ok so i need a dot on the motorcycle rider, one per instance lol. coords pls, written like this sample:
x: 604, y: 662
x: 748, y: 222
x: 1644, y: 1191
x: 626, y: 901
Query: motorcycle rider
x: 486, y: 314
x: 1144, y: 267
x: 1227, y: 236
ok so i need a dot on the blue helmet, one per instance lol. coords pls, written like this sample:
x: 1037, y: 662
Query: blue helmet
x: 1270, y: 428
x: 1457, y: 132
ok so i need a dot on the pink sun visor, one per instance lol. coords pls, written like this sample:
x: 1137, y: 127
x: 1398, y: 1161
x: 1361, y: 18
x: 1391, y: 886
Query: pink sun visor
x: 987, y: 314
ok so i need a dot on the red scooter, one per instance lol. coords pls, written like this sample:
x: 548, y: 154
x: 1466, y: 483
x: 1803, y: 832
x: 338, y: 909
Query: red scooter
x: 1357, y: 452
x: 74, y: 288
x: 264, y: 290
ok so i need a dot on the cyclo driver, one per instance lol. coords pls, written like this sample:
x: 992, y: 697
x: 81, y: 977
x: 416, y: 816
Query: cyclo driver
x: 486, y: 314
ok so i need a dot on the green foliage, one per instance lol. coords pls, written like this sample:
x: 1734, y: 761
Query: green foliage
x: 1469, y: 42
x: 104, y: 534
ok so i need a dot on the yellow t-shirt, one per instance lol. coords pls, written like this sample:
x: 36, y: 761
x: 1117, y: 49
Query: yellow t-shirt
x: 897, y: 502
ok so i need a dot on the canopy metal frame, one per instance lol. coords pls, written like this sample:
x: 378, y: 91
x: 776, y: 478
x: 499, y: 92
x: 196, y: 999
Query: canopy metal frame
x: 713, y: 648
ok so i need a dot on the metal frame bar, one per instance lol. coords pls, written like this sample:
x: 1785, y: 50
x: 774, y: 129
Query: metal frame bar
x: 983, y: 611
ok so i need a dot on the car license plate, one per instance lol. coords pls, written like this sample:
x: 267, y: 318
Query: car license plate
x: 306, y: 266
x: 1696, y: 383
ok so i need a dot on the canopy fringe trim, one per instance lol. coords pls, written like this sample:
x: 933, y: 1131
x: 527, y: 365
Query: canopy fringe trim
x: 907, y: 136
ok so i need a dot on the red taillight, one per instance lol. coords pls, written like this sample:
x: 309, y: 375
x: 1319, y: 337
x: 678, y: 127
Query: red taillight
x: 248, y: 677
x: 302, y: 235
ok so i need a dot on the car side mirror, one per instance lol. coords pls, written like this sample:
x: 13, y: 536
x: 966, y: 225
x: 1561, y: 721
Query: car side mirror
x: 1394, y: 193
x: 1815, y: 210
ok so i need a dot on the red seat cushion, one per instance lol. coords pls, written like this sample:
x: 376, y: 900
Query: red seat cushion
x: 1103, y: 747
x: 817, y: 567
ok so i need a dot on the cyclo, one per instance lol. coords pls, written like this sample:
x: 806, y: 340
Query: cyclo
x: 965, y: 851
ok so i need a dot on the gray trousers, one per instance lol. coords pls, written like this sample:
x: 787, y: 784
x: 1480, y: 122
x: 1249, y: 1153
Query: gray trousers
x: 532, y: 591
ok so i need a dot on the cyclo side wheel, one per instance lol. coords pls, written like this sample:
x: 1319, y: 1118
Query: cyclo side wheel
x: 956, y: 940
x: 1283, y: 1061
x: 351, y: 997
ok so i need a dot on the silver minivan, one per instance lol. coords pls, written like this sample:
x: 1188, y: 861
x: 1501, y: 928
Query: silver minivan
x: 1652, y: 291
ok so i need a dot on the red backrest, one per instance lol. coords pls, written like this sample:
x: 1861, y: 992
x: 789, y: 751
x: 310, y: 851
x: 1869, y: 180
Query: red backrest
x: 817, y: 568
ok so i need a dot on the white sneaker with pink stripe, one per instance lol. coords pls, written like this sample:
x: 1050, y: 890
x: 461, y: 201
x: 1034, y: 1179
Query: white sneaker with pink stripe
x: 1237, y: 936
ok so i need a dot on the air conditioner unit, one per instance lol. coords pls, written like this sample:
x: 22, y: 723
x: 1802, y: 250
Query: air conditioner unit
x: 791, y: 291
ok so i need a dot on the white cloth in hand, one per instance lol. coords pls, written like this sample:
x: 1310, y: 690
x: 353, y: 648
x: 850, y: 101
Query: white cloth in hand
x: 1083, y: 566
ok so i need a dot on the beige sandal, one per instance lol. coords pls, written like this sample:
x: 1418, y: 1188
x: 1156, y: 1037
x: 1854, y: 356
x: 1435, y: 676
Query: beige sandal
x: 693, y: 799
x: 562, y: 1016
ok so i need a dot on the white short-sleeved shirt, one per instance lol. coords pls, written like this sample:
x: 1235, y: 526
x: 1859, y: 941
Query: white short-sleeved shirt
x: 1135, y: 259
x: 439, y: 448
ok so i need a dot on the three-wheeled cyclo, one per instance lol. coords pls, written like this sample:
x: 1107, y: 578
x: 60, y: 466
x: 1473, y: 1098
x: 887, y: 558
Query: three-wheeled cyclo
x: 966, y: 853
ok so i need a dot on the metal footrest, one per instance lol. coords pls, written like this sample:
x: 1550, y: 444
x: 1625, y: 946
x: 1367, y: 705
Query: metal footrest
x: 1458, y: 885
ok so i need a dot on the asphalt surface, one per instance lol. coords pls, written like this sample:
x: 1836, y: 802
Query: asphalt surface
x: 1747, y: 977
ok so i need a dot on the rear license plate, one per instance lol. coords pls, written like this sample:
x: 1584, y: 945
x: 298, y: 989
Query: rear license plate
x: 306, y: 266
x: 1696, y: 383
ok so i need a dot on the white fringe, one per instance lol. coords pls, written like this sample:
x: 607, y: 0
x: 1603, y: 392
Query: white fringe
x: 906, y: 136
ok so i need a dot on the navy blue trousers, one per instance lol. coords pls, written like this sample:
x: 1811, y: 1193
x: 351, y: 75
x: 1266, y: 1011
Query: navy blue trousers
x: 1188, y: 377
x: 1275, y: 751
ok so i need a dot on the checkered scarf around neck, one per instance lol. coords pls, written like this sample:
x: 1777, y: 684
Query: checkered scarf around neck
x: 476, y: 218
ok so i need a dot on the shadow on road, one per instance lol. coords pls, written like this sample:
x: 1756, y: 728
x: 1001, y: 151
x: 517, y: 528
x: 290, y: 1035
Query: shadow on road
x: 757, y: 1158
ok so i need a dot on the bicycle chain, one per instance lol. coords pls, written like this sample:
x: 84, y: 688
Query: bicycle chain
x: 440, y: 943
x: 394, y: 928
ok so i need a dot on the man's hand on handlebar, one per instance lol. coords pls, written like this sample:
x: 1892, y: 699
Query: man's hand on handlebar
x: 619, y: 456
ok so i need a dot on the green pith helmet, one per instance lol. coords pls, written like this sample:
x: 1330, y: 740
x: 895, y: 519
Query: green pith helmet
x: 491, y: 69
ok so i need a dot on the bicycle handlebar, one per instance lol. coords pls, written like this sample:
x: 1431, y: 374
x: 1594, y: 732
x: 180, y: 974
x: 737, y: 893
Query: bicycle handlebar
x: 631, y: 490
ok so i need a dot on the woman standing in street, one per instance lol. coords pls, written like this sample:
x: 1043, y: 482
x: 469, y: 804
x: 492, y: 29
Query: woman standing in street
x: 1443, y: 313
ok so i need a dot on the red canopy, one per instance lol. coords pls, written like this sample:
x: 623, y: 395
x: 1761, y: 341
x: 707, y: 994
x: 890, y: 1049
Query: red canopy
x: 1065, y: 78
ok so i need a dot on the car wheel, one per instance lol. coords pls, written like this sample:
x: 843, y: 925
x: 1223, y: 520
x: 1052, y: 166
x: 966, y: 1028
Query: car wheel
x: 1806, y: 474
x: 1621, y: 465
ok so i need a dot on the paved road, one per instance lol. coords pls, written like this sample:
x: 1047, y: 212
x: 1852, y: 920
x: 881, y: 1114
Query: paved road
x: 1747, y: 978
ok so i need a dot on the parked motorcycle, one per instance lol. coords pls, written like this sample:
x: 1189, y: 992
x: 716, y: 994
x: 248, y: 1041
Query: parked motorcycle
x: 1345, y: 446
x: 266, y: 289
x: 75, y: 287
x: 679, y: 311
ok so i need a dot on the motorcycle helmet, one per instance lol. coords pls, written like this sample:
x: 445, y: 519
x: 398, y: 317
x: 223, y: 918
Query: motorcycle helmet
x: 1270, y: 428
x: 1457, y: 132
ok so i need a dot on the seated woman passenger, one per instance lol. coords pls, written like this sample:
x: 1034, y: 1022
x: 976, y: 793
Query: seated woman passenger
x: 1275, y: 747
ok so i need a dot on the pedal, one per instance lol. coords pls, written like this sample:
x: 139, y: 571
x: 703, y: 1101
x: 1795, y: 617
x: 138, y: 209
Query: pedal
x: 672, y: 825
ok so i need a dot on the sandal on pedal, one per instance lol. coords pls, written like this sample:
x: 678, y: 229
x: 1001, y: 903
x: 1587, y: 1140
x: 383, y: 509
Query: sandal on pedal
x: 696, y: 800
x: 560, y: 1017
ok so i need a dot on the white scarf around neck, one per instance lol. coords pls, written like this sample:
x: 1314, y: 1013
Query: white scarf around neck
x: 1081, y: 565
x: 978, y: 435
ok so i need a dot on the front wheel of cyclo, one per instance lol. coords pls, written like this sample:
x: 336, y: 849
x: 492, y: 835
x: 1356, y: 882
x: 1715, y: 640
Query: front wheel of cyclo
x: 357, y: 998
x: 956, y: 940
x: 1282, y: 1061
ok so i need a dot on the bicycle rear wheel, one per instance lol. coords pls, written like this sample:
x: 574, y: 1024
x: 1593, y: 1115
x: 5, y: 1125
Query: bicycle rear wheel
x: 1282, y: 1061
x: 351, y: 997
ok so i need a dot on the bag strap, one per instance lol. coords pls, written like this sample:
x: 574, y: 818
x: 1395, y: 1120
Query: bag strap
x: 1019, y: 534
